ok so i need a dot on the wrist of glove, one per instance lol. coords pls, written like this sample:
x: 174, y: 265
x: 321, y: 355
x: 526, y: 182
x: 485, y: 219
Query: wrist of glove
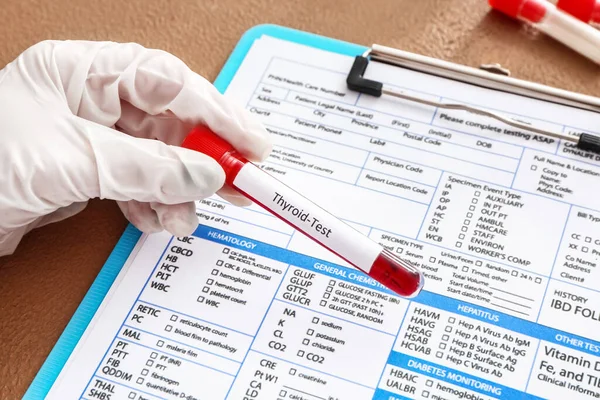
x: 82, y: 120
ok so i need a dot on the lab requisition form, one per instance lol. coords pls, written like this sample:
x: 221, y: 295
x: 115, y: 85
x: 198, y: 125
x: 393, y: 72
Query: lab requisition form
x: 504, y: 224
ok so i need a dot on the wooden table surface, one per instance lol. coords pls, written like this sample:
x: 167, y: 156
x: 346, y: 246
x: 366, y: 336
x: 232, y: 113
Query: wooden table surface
x: 42, y: 284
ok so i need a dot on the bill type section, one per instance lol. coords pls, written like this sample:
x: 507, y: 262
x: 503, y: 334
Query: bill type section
x: 505, y: 225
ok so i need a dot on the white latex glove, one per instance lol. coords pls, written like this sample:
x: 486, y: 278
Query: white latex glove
x: 82, y: 120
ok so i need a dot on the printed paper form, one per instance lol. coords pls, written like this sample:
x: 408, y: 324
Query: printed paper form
x: 505, y: 225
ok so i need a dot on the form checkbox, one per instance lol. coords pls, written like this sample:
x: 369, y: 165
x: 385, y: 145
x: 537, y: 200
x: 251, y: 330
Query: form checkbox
x: 467, y: 222
x: 588, y: 239
x: 329, y: 288
x: 425, y: 394
x: 465, y: 269
x: 464, y: 229
x: 205, y: 289
x: 306, y: 342
x: 469, y: 215
x: 300, y: 353
x: 310, y: 332
x: 132, y: 395
x: 471, y: 208
x: 153, y: 355
x: 292, y: 371
x: 145, y: 372
x: 431, y: 259
x: 448, y: 329
x: 323, y: 303
x: 474, y: 201
x: 442, y: 346
x: 225, y: 251
x: 219, y: 263
x: 584, y: 249
x: 150, y: 363
x: 210, y: 281
x: 282, y: 393
x: 160, y: 343
x: 534, y: 167
x: 200, y: 299
x: 478, y: 263
x: 140, y: 380
x: 326, y: 295
x: 538, y: 280
x: 174, y: 318
x: 439, y: 354
x: 459, y: 244
x: 215, y: 272
x: 429, y: 383
x: 514, y: 273
x: 461, y: 236
x: 477, y: 193
x: 399, y: 250
x: 315, y: 320
x: 451, y: 320
x: 332, y: 283
x: 445, y: 337
x: 168, y: 328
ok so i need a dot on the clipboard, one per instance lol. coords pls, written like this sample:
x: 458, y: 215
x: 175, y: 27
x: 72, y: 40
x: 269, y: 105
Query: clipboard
x: 489, y: 76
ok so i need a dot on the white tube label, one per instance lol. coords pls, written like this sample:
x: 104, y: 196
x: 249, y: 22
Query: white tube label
x: 307, y: 217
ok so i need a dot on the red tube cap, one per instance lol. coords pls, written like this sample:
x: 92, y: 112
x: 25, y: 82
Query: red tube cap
x: 530, y: 10
x: 580, y: 9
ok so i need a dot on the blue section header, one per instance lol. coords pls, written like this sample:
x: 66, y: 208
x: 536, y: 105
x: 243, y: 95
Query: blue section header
x: 381, y: 394
x: 458, y: 378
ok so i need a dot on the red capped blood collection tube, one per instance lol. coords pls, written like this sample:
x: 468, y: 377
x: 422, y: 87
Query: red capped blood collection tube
x: 306, y: 217
x: 547, y: 18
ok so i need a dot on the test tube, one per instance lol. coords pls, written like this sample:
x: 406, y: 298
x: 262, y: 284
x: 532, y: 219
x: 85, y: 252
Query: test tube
x: 304, y: 216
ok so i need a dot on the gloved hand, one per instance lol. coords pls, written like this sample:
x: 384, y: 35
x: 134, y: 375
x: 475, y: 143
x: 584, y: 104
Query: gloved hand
x: 82, y: 120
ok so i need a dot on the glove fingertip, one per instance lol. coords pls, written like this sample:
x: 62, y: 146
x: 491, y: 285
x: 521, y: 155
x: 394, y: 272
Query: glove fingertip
x: 260, y: 142
x: 263, y: 151
x: 256, y: 148
x: 234, y: 197
x: 243, y: 129
x: 177, y: 219
x: 181, y: 227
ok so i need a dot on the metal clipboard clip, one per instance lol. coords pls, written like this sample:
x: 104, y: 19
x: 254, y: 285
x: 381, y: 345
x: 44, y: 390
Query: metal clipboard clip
x: 488, y: 76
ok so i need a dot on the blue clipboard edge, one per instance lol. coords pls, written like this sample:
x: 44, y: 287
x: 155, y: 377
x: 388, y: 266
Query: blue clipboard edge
x: 289, y: 34
x: 68, y: 340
